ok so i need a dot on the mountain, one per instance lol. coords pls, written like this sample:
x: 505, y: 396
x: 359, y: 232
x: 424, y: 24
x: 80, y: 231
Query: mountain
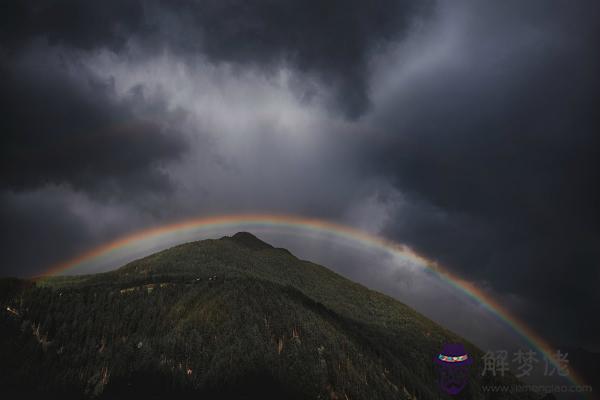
x: 227, y: 318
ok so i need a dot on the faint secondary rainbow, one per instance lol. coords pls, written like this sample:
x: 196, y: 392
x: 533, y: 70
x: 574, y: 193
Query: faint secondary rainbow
x: 338, y: 230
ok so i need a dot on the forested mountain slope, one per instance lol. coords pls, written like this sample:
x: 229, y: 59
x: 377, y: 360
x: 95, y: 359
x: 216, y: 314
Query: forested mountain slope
x: 227, y: 318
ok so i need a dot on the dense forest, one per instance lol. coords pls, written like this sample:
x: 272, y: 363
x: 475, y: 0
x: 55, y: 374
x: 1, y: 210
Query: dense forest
x: 227, y: 318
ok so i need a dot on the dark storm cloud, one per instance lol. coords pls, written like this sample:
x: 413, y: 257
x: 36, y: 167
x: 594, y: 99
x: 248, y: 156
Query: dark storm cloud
x: 70, y: 23
x: 65, y: 130
x: 64, y: 125
x: 498, y: 151
x: 329, y: 40
x: 37, y: 231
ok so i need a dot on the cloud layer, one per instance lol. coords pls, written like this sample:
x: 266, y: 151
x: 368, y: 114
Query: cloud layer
x: 467, y: 130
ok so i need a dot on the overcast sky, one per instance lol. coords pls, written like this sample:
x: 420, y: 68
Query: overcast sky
x: 468, y: 130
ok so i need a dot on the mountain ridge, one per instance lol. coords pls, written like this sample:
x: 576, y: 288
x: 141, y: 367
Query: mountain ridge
x: 218, y: 317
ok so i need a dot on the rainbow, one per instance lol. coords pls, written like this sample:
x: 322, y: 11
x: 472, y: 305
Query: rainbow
x: 338, y: 230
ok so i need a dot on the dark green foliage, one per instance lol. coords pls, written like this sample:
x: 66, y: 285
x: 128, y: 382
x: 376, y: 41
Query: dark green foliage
x: 229, y: 318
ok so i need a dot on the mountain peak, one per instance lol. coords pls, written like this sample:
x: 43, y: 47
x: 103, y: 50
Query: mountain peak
x: 212, y: 319
x: 248, y: 240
